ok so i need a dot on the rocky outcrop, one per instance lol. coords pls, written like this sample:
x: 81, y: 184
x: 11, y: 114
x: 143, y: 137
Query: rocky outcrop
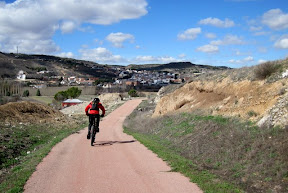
x: 278, y: 114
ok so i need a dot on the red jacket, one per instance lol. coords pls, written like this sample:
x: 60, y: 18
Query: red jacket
x: 95, y: 112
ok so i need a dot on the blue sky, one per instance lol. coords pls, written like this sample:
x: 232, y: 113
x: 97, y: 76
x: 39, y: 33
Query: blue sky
x: 232, y: 33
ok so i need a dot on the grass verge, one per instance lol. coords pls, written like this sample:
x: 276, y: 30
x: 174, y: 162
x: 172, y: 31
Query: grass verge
x: 236, y: 155
x: 24, y: 146
x: 44, y: 99
x: 204, y: 179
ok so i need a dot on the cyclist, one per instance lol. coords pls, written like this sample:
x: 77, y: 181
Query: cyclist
x: 92, y: 110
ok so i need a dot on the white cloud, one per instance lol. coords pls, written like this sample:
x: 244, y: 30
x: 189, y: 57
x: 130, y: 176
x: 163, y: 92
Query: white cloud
x: 97, y: 41
x: 34, y: 21
x: 275, y: 19
x: 189, y: 34
x: 261, y: 33
x: 242, y: 61
x: 238, y: 53
x: 261, y: 61
x: 145, y: 59
x: 153, y: 59
x: 210, y: 35
x: 182, y: 55
x: 100, y: 55
x: 117, y: 39
x: 228, y: 40
x: 66, y: 55
x: 282, y: 43
x: 68, y: 27
x: 167, y: 59
x: 217, y: 22
x: 255, y: 28
x: 248, y: 59
x: 208, y: 48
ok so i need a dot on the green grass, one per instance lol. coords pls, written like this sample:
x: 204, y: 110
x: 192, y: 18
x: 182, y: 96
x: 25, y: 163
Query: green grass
x: 18, y: 165
x: 204, y: 179
x: 237, y: 153
x: 43, y: 99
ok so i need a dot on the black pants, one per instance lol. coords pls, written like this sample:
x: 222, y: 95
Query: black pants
x: 93, y: 118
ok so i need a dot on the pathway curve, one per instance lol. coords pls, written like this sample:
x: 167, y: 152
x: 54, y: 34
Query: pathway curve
x: 117, y: 163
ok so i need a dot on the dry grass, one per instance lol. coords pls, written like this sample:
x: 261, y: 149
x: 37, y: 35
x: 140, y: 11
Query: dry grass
x: 270, y: 71
x: 264, y: 70
x: 239, y: 152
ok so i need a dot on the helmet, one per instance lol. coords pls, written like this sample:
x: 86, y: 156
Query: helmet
x: 96, y: 100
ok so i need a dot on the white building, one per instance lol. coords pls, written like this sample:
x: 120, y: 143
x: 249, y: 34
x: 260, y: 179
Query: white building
x: 21, y: 75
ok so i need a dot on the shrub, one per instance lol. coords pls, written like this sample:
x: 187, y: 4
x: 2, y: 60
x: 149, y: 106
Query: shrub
x: 133, y: 93
x: 26, y: 93
x: 38, y: 93
x: 252, y: 113
x: 265, y: 70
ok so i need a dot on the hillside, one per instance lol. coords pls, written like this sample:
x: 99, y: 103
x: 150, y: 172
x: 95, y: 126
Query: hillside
x: 233, y: 93
x: 227, y: 130
x: 11, y: 64
x: 181, y: 67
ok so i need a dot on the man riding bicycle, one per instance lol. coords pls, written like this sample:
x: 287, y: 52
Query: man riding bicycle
x: 92, y: 110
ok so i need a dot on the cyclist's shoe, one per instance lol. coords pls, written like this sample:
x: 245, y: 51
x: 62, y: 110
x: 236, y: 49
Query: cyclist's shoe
x: 97, y: 129
x: 88, y: 136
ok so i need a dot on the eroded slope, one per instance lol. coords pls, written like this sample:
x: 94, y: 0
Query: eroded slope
x: 246, y: 99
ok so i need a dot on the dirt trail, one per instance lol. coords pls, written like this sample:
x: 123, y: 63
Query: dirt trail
x: 117, y: 164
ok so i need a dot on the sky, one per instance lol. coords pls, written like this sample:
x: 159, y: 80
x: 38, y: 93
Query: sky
x: 233, y: 33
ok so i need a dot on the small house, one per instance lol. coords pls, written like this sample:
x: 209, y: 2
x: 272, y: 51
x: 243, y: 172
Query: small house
x: 71, y: 102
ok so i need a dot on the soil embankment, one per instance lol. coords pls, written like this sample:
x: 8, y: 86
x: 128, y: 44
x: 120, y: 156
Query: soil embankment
x: 28, y: 112
x: 246, y: 99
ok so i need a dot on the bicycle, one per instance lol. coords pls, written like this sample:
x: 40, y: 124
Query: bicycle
x: 94, y: 128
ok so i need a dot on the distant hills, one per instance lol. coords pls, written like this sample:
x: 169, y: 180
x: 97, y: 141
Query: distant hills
x: 179, y: 66
x: 11, y: 64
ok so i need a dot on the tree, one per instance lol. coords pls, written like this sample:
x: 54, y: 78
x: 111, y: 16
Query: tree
x: 26, y: 93
x: 73, y: 92
x: 61, y: 96
x: 38, y: 93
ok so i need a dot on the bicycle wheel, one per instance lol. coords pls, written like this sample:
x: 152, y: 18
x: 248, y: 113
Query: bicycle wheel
x: 92, y: 134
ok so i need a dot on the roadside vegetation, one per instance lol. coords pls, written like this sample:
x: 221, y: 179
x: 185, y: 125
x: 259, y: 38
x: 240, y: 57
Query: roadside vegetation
x: 24, y: 143
x: 23, y: 146
x: 219, y: 154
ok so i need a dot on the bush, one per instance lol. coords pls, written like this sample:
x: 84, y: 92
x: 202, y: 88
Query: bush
x: 265, y: 70
x: 133, y: 93
x: 26, y: 93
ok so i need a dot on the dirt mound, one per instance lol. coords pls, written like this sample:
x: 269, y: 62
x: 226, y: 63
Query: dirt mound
x: 28, y: 112
x: 108, y: 100
x: 246, y: 99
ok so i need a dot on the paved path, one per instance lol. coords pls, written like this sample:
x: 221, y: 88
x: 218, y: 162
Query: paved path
x: 116, y: 164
